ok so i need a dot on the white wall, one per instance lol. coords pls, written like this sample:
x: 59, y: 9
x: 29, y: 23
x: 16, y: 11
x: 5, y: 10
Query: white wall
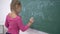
x: 5, y: 9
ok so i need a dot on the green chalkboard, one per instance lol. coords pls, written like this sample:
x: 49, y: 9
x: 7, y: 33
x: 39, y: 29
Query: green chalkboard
x: 45, y: 12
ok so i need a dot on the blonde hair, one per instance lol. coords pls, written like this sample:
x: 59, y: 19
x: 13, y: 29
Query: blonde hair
x: 14, y: 3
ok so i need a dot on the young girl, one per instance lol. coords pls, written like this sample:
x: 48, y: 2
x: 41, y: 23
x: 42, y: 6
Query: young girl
x: 14, y: 22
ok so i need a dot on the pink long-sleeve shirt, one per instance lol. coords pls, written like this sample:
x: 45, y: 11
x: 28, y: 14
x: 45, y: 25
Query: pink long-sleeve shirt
x: 15, y: 24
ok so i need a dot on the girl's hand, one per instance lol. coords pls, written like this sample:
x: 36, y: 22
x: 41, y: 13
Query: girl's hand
x: 31, y: 19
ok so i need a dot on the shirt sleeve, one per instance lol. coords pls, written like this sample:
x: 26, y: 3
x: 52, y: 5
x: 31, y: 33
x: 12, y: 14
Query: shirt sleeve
x: 6, y: 23
x: 21, y: 25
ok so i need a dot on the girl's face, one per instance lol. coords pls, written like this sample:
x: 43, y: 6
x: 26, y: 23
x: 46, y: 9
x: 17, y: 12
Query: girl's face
x: 18, y: 9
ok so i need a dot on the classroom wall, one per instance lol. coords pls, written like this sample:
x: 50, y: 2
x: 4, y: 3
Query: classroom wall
x: 5, y: 9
